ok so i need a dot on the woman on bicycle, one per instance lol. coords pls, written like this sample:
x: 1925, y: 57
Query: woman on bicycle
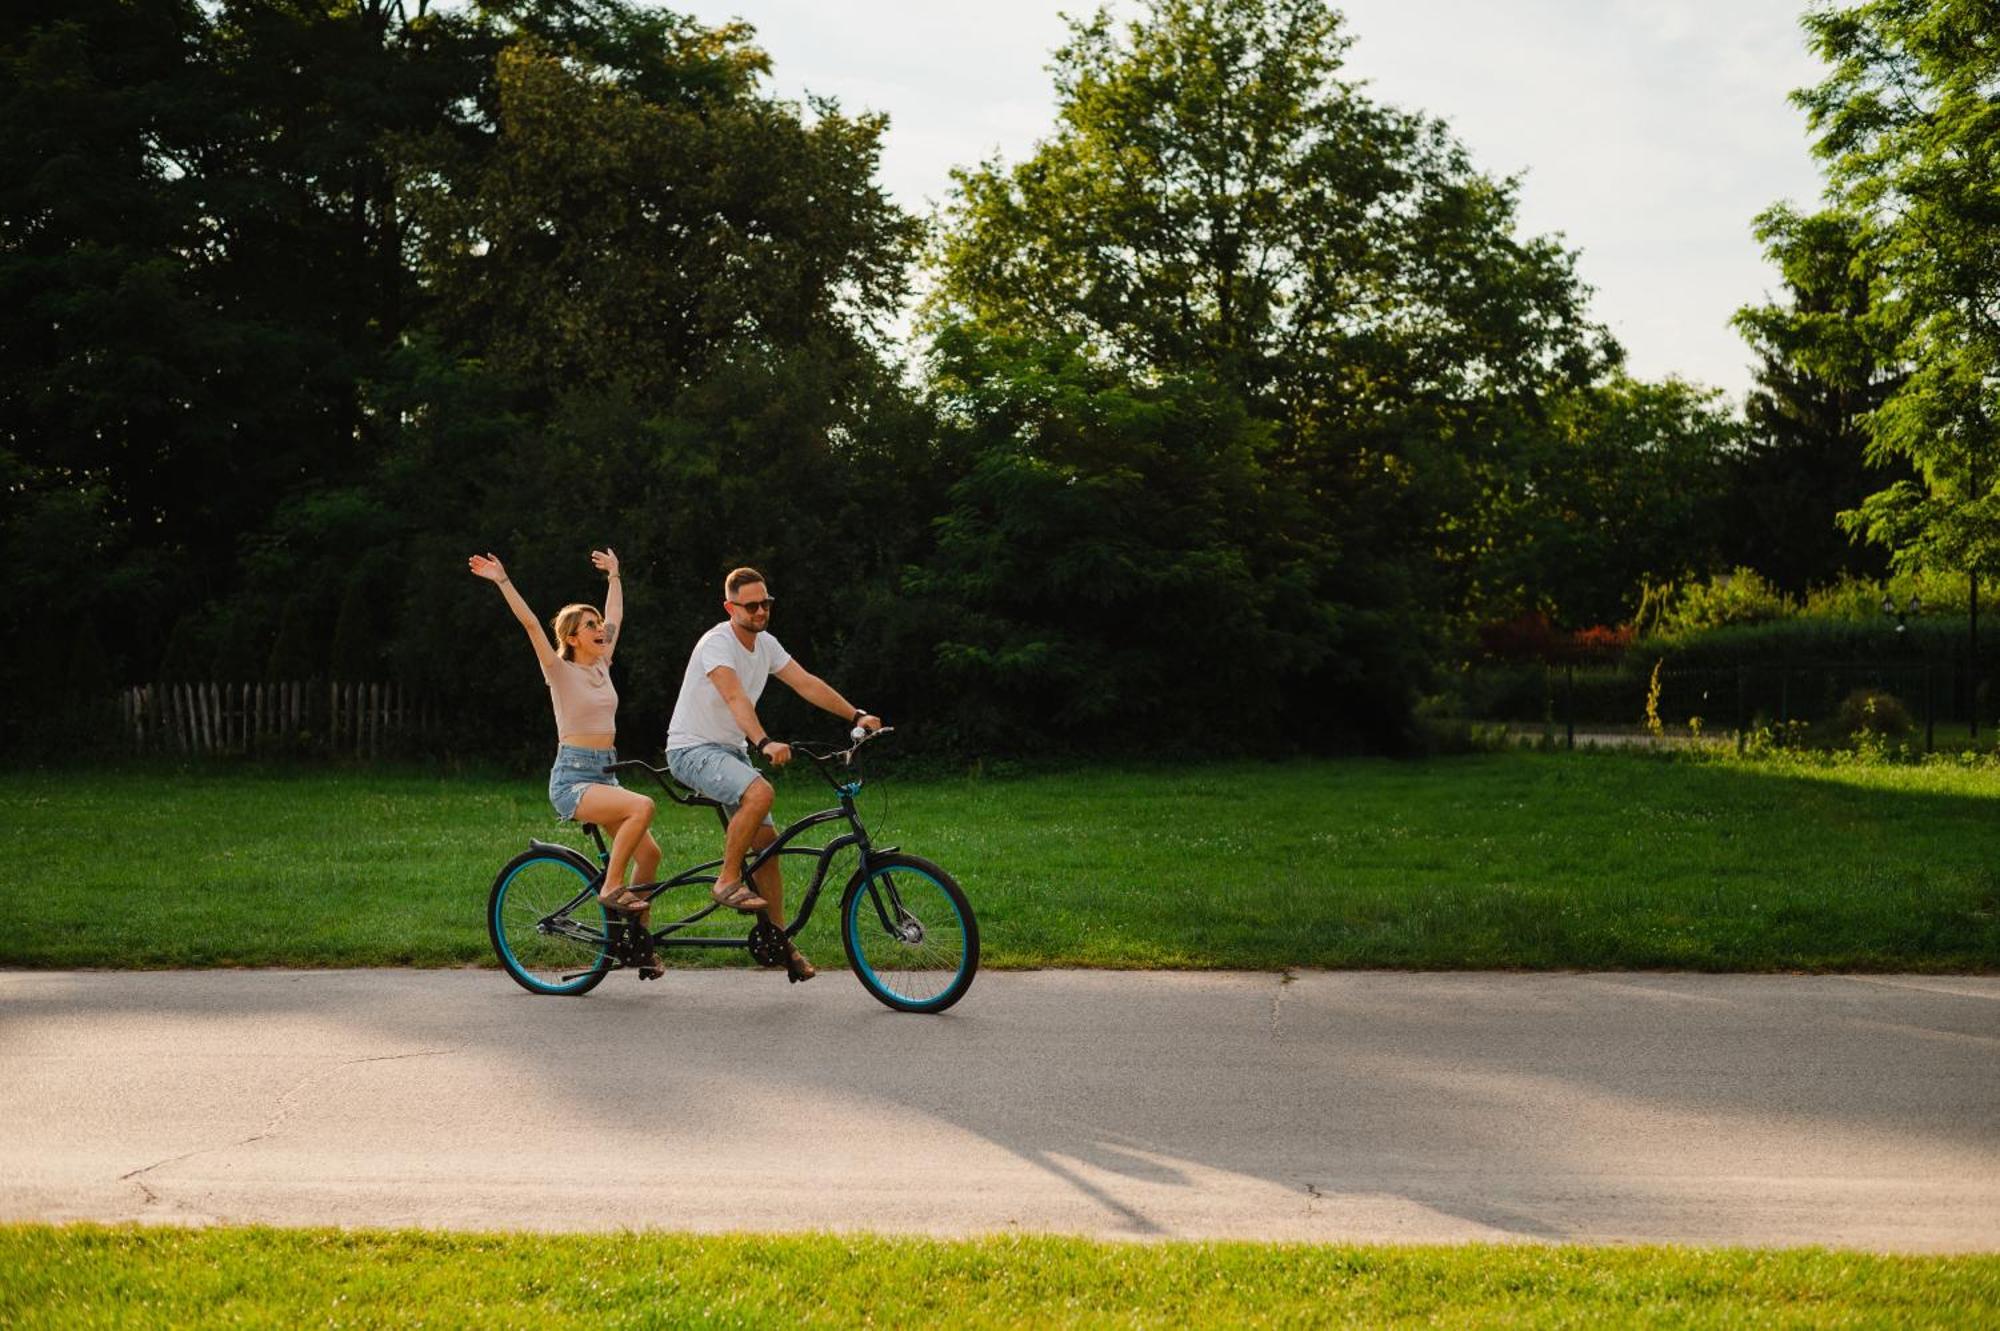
x: 578, y: 670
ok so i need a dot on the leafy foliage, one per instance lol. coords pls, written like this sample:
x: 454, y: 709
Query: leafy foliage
x: 1112, y: 559
x: 1741, y: 596
x: 1907, y: 130
x: 1245, y: 398
x: 1217, y: 205
x: 1623, y: 485
x: 1827, y: 359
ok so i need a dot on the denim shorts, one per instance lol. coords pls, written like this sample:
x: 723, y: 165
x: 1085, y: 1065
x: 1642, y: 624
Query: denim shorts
x: 576, y: 768
x: 717, y: 771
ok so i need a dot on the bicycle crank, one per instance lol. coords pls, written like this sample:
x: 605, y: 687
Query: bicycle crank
x: 768, y: 944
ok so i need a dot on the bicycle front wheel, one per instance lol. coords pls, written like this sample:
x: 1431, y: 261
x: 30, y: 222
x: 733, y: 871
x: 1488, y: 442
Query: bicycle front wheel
x: 548, y: 928
x: 910, y: 935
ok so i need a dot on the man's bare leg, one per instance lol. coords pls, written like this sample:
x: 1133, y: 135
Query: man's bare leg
x: 769, y: 878
x: 743, y: 828
x: 770, y: 881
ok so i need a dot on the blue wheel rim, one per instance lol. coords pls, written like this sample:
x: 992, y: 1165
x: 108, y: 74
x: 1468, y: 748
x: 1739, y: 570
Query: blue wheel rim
x: 521, y: 970
x: 860, y: 908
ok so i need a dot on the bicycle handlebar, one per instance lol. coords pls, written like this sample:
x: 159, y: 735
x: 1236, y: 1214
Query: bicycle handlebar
x: 819, y: 753
x: 822, y: 754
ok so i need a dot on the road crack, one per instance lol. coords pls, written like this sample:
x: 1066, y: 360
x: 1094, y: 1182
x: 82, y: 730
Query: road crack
x: 286, y: 1104
x: 1278, y: 1002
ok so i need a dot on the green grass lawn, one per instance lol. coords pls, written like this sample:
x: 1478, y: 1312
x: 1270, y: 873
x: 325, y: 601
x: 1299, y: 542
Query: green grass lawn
x: 86, y: 1275
x: 1593, y: 860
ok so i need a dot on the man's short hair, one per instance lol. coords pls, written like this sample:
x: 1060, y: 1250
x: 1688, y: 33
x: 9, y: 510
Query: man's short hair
x: 738, y: 579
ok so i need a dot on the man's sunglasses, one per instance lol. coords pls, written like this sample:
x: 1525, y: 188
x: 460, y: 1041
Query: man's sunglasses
x: 754, y: 606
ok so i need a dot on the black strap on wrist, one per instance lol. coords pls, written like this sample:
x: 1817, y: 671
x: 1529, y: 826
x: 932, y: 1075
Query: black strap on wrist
x: 855, y: 720
x: 762, y: 742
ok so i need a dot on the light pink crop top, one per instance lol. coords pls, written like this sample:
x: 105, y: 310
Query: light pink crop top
x: 586, y: 703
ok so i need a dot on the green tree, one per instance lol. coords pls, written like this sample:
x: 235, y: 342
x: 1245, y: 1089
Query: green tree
x: 200, y: 262
x: 616, y: 236
x: 653, y: 293
x: 1214, y: 197
x: 96, y: 375
x: 1109, y: 569
x: 1215, y: 202
x: 1907, y: 128
x: 1622, y: 486
x: 1826, y: 360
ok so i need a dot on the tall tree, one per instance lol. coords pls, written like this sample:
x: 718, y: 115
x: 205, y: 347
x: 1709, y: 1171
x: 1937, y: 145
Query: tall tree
x: 200, y: 262
x: 1110, y: 569
x: 1215, y: 197
x: 96, y: 374
x: 1910, y: 138
x: 1826, y: 360
x: 1216, y: 201
x: 652, y: 296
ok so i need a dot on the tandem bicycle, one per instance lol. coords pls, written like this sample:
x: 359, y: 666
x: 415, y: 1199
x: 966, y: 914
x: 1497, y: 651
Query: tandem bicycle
x: 908, y: 930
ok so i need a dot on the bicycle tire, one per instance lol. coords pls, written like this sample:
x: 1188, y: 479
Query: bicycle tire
x: 926, y: 971
x: 532, y: 886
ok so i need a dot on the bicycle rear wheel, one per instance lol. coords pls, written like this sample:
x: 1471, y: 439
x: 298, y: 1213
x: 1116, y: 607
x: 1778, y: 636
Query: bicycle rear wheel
x: 547, y: 948
x: 910, y: 935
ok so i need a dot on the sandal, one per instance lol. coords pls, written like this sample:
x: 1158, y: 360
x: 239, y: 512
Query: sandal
x: 625, y: 899
x: 797, y: 968
x: 650, y: 965
x: 738, y: 896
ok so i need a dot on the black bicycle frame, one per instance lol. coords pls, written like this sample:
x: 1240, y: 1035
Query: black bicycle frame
x: 559, y: 921
x: 825, y: 855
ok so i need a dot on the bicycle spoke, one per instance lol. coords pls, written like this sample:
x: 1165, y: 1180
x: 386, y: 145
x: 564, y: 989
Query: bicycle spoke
x: 924, y: 952
x: 551, y: 932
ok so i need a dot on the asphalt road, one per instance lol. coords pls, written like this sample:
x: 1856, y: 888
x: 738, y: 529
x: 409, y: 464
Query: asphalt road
x: 1852, y: 1111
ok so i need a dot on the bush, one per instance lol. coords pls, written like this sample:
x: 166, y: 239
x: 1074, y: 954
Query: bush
x: 1941, y: 593
x: 1531, y: 637
x: 1525, y: 637
x: 1874, y: 712
x: 1601, y: 644
x: 1513, y: 691
x: 1737, y: 597
x: 1818, y: 641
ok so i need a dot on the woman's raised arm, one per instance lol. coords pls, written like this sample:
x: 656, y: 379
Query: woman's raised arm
x: 614, y: 597
x: 490, y: 568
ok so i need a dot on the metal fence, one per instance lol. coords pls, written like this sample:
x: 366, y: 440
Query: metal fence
x: 1745, y: 698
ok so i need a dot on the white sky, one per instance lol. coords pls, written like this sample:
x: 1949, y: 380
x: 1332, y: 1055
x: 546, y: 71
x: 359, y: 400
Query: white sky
x: 1648, y: 134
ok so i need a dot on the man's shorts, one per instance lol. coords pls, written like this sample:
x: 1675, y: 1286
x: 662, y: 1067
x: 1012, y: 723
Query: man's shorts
x: 717, y: 771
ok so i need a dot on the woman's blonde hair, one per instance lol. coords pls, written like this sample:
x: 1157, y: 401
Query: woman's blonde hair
x: 565, y: 624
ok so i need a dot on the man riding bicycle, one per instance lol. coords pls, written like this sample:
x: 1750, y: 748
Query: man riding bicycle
x: 711, y: 733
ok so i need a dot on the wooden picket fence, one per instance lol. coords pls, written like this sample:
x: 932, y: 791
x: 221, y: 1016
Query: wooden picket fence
x: 347, y: 719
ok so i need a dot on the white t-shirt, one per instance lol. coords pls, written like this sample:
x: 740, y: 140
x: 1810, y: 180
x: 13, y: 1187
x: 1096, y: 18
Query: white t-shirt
x: 700, y: 715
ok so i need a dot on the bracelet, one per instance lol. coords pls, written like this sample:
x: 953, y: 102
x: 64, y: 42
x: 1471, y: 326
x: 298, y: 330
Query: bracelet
x: 762, y: 743
x: 614, y: 575
x: 855, y: 720
x: 505, y: 581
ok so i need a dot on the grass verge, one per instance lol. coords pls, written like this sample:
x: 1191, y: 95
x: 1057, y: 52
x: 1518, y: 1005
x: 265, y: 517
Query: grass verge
x: 86, y: 1275
x: 1601, y: 860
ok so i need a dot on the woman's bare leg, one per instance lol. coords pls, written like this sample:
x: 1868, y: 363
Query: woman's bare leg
x: 646, y: 860
x: 628, y: 816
